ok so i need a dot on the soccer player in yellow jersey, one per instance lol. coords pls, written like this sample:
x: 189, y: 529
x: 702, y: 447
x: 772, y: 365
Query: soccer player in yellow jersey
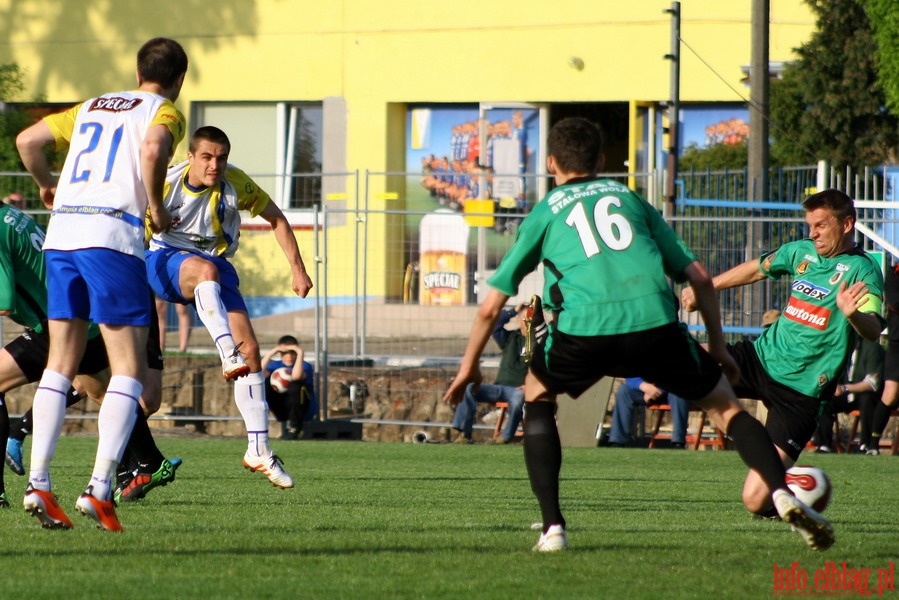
x: 187, y: 263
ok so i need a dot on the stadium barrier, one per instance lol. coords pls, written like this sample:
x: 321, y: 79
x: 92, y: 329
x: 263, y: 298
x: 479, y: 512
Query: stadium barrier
x: 367, y: 324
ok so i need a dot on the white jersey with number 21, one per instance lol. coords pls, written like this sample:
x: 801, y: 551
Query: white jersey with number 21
x: 100, y: 197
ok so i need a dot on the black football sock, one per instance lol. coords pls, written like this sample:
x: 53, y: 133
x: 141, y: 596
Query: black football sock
x: 24, y: 425
x: 767, y: 513
x: 4, y: 434
x: 19, y: 429
x: 142, y: 446
x: 4, y: 419
x: 824, y: 433
x: 869, y: 404
x: 125, y: 470
x: 543, y: 458
x: 879, y: 423
x: 755, y: 447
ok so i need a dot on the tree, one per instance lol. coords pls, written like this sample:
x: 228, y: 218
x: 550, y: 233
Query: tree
x: 884, y: 19
x: 12, y: 121
x: 829, y: 104
x: 715, y: 157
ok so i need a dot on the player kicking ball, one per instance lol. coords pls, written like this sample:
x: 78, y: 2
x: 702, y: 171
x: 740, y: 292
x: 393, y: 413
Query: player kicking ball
x: 188, y: 263
x: 607, y: 256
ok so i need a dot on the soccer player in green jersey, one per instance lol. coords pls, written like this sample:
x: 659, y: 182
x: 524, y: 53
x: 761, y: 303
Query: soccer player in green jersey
x: 23, y: 298
x: 606, y: 253
x: 795, y: 365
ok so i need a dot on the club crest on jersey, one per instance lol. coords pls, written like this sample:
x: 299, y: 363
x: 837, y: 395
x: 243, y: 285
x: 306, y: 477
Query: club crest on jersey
x: 809, y: 289
x: 835, y: 278
x: 114, y: 104
x: 806, y: 313
x: 802, y: 268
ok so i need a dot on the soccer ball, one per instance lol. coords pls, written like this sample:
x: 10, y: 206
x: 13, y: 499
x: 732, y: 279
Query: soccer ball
x: 810, y: 485
x: 281, y: 379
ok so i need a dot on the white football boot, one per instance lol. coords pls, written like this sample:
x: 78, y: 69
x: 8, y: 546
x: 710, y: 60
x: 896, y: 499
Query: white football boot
x: 814, y: 528
x: 270, y: 466
x: 234, y: 366
x: 553, y: 540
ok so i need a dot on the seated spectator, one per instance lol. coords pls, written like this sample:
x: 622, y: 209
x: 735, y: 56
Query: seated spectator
x: 298, y: 403
x: 637, y: 392
x: 861, y: 391
x: 509, y: 383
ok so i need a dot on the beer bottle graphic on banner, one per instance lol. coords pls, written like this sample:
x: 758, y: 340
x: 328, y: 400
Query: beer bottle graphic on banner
x: 444, y: 258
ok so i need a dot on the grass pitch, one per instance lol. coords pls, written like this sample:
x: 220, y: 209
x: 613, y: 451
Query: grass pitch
x: 371, y: 520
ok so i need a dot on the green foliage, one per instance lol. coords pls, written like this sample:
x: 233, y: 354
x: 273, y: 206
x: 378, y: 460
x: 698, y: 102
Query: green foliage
x: 715, y: 157
x: 884, y: 20
x: 397, y: 521
x: 11, y: 121
x: 10, y: 81
x: 830, y: 103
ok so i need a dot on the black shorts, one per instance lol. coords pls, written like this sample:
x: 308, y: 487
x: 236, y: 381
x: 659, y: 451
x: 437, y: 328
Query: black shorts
x: 30, y: 351
x: 792, y: 417
x: 666, y: 356
x: 891, y: 358
x: 891, y: 362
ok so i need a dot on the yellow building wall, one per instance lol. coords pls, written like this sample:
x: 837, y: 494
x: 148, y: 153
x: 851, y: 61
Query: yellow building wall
x: 379, y: 55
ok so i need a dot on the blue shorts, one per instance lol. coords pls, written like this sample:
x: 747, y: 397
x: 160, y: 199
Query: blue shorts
x: 99, y: 285
x: 164, y: 265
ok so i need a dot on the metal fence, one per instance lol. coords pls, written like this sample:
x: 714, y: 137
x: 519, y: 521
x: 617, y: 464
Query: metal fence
x: 369, y: 316
x: 400, y: 330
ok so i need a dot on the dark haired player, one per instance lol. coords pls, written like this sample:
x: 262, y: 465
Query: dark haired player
x: 188, y: 264
x: 606, y: 253
x: 24, y: 299
x: 796, y: 364
x: 119, y: 145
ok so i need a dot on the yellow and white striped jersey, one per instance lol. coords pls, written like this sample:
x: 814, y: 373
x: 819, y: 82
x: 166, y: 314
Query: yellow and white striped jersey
x: 208, y: 221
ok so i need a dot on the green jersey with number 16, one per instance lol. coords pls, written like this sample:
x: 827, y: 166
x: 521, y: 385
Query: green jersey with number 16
x: 606, y: 253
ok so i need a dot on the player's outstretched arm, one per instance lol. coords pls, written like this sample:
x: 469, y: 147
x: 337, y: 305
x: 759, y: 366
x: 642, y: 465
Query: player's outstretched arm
x: 706, y: 301
x: 30, y: 144
x: 481, y: 329
x: 742, y: 274
x: 301, y: 282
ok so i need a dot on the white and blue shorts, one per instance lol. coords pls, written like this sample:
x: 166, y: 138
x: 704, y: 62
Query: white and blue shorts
x: 164, y: 267
x: 99, y: 285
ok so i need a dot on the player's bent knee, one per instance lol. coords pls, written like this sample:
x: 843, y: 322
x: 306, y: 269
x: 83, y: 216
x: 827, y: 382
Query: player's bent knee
x: 756, y: 497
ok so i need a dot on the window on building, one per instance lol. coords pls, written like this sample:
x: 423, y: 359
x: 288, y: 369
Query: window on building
x: 279, y: 144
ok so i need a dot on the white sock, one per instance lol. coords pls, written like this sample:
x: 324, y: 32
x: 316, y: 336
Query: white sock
x: 49, y: 409
x: 115, y: 422
x: 249, y: 395
x: 208, y: 299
